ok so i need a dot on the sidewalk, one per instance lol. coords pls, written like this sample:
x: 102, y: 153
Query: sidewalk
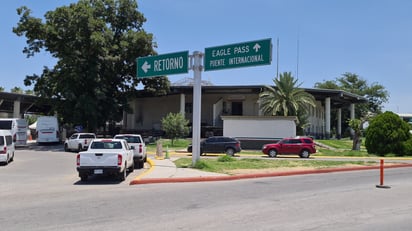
x: 165, y: 171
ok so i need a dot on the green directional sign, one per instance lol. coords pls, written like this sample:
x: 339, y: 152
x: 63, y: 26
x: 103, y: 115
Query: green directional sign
x: 244, y: 54
x: 166, y: 64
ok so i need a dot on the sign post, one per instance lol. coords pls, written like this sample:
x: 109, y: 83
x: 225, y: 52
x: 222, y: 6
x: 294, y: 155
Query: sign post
x: 237, y: 55
x: 166, y: 64
x: 197, y: 99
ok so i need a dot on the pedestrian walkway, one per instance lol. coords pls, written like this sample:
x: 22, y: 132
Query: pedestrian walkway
x: 165, y: 171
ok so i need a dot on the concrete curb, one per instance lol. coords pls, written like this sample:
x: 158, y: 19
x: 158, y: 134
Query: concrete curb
x: 257, y: 175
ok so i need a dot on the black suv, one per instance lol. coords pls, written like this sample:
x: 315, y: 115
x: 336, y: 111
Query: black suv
x: 219, y: 144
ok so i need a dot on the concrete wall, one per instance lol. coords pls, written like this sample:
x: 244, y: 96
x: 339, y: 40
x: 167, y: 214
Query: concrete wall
x: 148, y: 112
x: 259, y: 126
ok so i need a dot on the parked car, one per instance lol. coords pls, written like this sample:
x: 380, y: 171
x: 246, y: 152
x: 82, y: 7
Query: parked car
x: 107, y: 157
x: 139, y: 152
x: 78, y: 141
x: 302, y: 146
x: 6, y: 147
x: 219, y: 144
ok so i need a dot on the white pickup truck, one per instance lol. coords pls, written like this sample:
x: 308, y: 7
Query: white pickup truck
x: 136, y: 141
x: 78, y: 141
x: 108, y: 157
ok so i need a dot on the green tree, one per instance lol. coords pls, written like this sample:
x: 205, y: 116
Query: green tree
x: 175, y: 126
x: 375, y: 93
x: 386, y: 133
x: 1, y: 89
x: 29, y: 92
x: 17, y: 90
x: 95, y: 43
x: 350, y: 82
x: 286, y: 99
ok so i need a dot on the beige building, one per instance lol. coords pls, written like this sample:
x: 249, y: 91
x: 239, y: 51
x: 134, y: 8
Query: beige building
x: 222, y: 101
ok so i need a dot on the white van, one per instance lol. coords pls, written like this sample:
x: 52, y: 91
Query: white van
x: 6, y: 147
x: 47, y: 130
x: 18, y: 129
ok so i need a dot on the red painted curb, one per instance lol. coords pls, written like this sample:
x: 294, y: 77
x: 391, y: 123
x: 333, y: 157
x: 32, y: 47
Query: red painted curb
x: 257, y: 175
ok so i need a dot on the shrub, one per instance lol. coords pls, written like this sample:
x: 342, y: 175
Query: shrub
x: 175, y: 126
x: 407, y: 147
x: 201, y: 165
x: 387, y: 133
x: 226, y: 158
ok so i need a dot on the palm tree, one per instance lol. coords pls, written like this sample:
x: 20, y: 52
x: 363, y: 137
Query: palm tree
x: 287, y: 99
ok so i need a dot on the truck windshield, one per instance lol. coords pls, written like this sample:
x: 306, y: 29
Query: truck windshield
x: 106, y: 145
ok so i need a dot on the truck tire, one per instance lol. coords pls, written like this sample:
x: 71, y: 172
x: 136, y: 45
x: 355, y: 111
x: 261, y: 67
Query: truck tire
x: 140, y: 164
x: 84, y: 177
x: 131, y: 168
x: 122, y: 175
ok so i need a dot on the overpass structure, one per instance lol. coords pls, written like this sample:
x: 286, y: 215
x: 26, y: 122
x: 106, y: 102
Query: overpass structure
x: 15, y: 105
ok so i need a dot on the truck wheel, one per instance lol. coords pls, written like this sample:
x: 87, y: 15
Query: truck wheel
x: 84, y: 177
x: 122, y: 175
x: 131, y: 168
x: 140, y: 164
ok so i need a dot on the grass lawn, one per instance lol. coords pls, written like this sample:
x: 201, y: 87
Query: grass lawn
x: 227, y: 164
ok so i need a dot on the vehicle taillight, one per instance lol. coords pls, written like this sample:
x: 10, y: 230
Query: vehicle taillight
x: 4, y: 151
x: 140, y: 148
x: 119, y: 160
x: 78, y: 160
x: 237, y: 144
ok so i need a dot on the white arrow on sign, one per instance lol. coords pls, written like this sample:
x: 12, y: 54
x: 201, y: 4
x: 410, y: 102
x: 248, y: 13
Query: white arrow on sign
x: 146, y: 66
x: 256, y: 47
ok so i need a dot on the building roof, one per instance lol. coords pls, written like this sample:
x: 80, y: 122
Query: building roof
x: 339, y: 98
x: 28, y: 103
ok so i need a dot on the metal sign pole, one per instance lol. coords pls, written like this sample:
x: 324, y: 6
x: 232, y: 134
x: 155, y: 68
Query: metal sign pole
x: 197, y: 100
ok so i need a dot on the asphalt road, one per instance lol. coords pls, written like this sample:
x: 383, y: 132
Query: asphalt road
x: 40, y: 190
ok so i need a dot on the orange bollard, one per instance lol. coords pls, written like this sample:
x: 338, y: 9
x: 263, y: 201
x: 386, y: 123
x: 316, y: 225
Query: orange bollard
x: 381, y: 185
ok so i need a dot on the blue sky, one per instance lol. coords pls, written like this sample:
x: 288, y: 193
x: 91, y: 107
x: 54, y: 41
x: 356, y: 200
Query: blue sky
x: 318, y: 39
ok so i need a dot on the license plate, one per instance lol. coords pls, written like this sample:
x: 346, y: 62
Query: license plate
x: 98, y: 171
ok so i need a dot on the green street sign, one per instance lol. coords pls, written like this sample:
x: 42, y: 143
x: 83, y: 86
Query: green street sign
x: 166, y: 64
x: 245, y: 54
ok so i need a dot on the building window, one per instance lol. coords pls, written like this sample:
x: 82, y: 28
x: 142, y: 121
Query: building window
x: 237, y: 108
